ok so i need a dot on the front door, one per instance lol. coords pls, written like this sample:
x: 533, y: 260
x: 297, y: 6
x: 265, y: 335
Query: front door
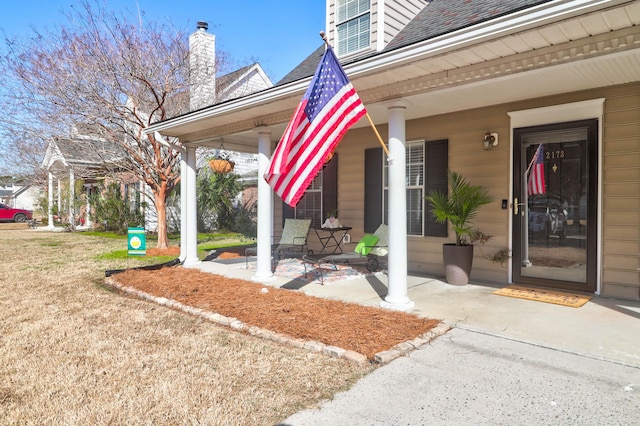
x: 555, y: 205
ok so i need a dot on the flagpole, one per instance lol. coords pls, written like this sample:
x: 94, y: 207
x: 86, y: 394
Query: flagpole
x: 373, y: 126
x: 532, y: 160
x: 386, y: 150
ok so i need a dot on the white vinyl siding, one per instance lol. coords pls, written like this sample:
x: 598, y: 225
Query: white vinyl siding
x: 394, y: 16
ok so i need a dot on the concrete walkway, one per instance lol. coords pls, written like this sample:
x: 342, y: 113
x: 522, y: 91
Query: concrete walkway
x: 607, y: 329
x: 506, y: 361
x: 469, y: 378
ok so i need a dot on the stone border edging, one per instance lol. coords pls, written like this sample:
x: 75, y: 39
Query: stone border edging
x: 383, y: 357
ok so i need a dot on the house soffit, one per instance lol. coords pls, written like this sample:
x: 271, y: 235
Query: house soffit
x: 597, y: 49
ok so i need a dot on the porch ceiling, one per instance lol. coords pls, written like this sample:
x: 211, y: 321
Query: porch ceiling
x: 481, y: 92
x: 497, y: 62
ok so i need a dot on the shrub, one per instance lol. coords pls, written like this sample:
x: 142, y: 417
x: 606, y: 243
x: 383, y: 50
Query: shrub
x: 113, y: 213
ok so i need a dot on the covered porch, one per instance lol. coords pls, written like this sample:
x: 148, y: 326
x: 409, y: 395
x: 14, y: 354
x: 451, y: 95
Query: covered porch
x: 491, y: 69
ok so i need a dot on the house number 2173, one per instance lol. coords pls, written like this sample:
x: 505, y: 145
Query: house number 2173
x: 554, y: 154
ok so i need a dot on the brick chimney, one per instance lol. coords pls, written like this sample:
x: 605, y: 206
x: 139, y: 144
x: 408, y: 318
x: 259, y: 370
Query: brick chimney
x: 202, y: 68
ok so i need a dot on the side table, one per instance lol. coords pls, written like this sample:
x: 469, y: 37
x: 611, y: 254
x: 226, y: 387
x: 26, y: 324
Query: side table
x: 330, y: 238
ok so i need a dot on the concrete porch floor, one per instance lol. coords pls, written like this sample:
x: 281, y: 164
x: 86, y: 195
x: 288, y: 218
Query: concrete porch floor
x: 604, y: 328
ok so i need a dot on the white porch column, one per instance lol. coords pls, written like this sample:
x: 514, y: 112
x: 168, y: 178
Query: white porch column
x: 87, y: 216
x: 397, y: 298
x: 50, y: 203
x: 59, y: 198
x: 191, y: 214
x: 183, y: 206
x: 265, y: 209
x: 72, y: 196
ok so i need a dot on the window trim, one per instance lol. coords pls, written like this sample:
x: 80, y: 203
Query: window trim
x: 408, y: 187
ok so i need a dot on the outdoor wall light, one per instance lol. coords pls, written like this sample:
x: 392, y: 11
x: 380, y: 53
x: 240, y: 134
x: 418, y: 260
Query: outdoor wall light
x: 489, y: 140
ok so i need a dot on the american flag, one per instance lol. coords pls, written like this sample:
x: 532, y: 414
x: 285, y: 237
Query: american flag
x: 327, y: 110
x: 535, y: 183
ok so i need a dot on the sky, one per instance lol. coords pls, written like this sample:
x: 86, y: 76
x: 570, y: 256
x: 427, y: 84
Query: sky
x: 278, y: 34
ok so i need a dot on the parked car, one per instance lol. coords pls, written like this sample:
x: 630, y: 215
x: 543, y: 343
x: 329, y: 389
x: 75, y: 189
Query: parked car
x: 547, y: 216
x: 9, y: 214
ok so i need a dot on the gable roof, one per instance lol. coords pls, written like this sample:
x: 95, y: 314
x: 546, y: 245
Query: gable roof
x: 305, y: 68
x: 14, y: 192
x: 438, y: 17
x: 88, y: 151
x: 226, y: 79
x: 81, y: 153
x: 571, y: 45
x: 241, y: 82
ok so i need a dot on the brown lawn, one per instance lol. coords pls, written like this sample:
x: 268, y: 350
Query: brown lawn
x: 74, y: 352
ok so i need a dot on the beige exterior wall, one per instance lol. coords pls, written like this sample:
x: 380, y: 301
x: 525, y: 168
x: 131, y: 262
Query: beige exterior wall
x: 620, y: 189
x: 621, y: 193
x: 466, y: 155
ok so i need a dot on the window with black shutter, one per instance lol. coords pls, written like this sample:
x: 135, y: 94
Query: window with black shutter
x: 427, y: 164
x: 320, y: 198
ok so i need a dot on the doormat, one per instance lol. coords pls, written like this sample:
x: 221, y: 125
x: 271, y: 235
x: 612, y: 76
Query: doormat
x: 547, y: 296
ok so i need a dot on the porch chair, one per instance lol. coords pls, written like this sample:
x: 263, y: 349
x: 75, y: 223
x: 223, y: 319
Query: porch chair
x: 293, y: 242
x: 372, y: 250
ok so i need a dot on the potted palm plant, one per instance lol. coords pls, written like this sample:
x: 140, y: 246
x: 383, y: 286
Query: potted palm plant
x: 459, y: 207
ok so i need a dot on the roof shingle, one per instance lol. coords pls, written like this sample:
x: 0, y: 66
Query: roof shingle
x: 438, y: 17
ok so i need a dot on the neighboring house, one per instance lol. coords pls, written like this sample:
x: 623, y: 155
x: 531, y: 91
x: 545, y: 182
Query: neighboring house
x: 92, y: 160
x: 207, y: 89
x: 247, y: 170
x: 436, y: 77
x: 246, y: 167
x: 83, y: 158
x: 19, y: 195
x: 249, y: 79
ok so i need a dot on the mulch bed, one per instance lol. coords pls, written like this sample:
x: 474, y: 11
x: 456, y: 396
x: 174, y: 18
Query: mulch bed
x: 169, y: 251
x: 366, y: 330
x: 223, y: 253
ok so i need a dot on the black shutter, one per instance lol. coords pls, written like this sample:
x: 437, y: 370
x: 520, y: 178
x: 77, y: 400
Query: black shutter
x: 330, y: 187
x: 436, y: 166
x: 372, y: 189
x: 329, y: 192
x: 288, y: 212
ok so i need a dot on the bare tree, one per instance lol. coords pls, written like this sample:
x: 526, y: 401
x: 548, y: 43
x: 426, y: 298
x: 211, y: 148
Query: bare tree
x: 113, y: 75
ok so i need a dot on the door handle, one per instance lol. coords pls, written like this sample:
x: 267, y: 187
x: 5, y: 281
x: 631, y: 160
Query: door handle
x: 516, y: 205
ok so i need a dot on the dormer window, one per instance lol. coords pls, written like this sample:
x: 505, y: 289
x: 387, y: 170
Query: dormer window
x: 353, y: 25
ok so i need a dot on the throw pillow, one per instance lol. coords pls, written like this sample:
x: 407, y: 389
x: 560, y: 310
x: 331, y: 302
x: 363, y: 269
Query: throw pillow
x: 366, y: 243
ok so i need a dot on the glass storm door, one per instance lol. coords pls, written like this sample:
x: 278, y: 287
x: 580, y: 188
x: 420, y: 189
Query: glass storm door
x: 555, y: 205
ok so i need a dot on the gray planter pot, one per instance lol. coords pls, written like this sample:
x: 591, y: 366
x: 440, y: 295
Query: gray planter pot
x: 457, y: 263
